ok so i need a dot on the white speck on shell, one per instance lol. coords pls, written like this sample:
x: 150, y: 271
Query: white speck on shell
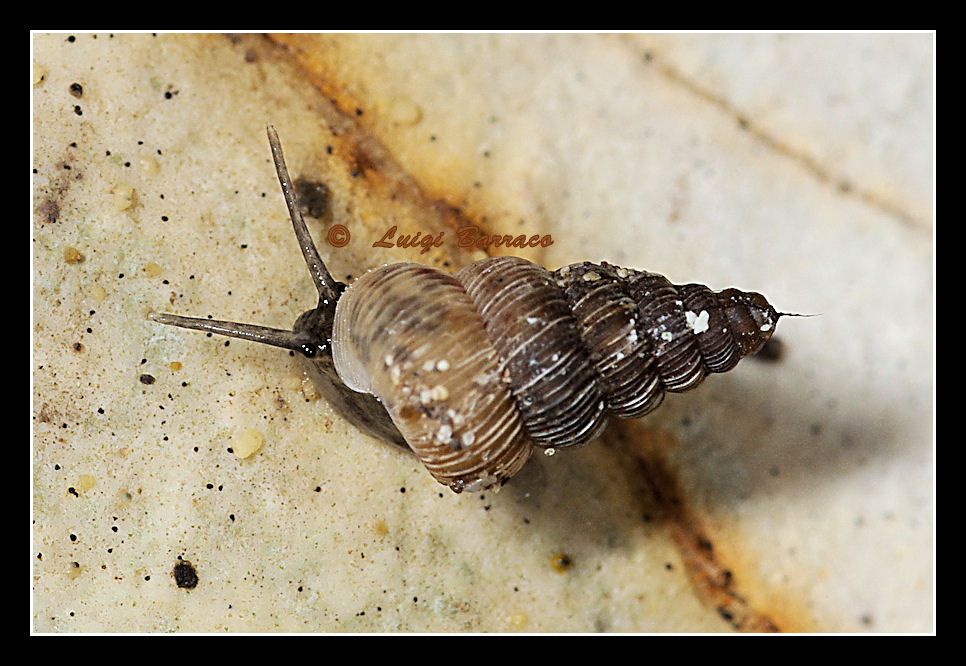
x: 455, y: 417
x: 698, y: 323
x: 438, y: 393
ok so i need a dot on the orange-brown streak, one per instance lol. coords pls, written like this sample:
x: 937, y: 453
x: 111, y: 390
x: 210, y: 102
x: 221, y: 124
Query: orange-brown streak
x: 365, y: 155
x: 712, y: 580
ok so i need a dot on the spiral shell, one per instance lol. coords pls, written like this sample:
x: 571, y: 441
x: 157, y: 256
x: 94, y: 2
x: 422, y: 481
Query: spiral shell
x: 478, y: 368
x: 473, y: 371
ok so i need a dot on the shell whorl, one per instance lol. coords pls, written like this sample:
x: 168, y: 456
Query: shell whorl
x: 478, y: 368
x: 410, y: 335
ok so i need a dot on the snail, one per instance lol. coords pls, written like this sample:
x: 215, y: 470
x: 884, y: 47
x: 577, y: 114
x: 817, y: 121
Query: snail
x: 474, y: 371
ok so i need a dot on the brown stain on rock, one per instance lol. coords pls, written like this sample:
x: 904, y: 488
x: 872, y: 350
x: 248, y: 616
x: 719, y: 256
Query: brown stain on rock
x: 47, y: 414
x: 50, y: 199
x: 48, y: 210
x: 367, y: 160
x: 714, y: 580
x: 313, y: 197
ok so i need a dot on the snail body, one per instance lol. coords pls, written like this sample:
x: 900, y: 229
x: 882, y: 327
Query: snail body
x: 473, y: 371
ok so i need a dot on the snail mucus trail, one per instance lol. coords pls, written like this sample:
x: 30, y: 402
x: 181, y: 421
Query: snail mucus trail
x: 473, y: 371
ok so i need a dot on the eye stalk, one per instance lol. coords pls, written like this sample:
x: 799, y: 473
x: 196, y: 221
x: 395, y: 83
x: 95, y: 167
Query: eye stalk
x: 299, y: 341
x: 326, y: 286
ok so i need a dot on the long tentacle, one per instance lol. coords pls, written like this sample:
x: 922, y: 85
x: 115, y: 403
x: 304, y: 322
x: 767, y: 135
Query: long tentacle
x: 328, y: 289
x: 299, y: 341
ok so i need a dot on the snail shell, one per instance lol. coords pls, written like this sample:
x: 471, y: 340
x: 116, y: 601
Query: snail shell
x: 478, y: 368
x: 473, y: 371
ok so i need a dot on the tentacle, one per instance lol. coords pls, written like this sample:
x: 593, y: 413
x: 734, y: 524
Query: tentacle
x: 328, y: 288
x: 295, y: 340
